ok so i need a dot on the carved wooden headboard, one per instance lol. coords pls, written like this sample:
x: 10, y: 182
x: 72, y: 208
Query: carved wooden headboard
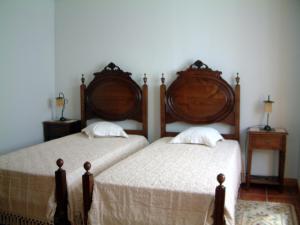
x: 112, y: 95
x: 199, y: 95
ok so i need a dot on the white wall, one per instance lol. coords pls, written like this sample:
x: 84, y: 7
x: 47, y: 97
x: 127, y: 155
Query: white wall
x: 258, y: 39
x: 27, y: 70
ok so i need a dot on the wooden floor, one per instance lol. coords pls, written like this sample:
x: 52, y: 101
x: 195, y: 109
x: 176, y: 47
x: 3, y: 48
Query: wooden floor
x: 290, y: 194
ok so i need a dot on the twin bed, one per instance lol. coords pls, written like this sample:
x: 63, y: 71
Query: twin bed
x: 27, y: 183
x: 167, y: 184
x: 160, y: 184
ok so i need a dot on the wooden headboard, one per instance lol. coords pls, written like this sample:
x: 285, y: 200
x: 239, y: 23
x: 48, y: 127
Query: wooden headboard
x: 199, y: 95
x: 113, y: 96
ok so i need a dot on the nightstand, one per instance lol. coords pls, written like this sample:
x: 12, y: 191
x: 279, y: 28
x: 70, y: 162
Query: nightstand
x: 274, y: 140
x: 55, y: 129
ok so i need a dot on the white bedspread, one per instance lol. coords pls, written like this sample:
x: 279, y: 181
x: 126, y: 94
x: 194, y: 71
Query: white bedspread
x: 167, y: 184
x: 27, y: 176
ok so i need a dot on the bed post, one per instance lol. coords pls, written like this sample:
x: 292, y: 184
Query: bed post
x: 82, y: 102
x: 162, y: 107
x: 219, y: 218
x: 145, y: 107
x: 61, y: 195
x: 237, y: 107
x: 87, y: 190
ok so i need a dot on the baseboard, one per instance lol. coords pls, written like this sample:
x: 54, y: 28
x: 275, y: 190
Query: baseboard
x: 288, y: 181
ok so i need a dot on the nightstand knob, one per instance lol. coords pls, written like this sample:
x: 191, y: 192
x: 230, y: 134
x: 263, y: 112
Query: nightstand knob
x: 221, y: 178
x: 60, y: 163
x: 87, y: 166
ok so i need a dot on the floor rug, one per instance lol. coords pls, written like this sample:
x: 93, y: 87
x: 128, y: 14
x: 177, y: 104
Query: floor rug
x: 265, y: 213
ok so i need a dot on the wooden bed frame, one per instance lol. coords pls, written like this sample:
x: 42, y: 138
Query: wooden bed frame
x: 112, y: 96
x: 199, y: 95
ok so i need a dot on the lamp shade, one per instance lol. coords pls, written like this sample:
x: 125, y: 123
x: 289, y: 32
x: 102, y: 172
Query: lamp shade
x: 59, y: 101
x: 268, y: 105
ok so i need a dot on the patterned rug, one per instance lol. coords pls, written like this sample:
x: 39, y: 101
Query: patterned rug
x: 265, y: 213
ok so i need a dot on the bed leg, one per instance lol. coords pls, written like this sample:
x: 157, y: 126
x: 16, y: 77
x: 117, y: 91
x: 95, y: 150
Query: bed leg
x: 87, y: 190
x: 61, y: 195
x: 219, y: 218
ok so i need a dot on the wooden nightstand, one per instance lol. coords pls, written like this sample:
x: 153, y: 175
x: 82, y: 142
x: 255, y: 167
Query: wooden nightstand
x: 56, y: 129
x: 267, y: 140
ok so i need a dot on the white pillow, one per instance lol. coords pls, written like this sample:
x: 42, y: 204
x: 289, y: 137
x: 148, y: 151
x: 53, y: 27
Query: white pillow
x: 104, y: 129
x: 198, y: 135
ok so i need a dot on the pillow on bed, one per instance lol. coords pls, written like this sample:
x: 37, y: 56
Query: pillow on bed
x: 198, y: 135
x: 104, y: 129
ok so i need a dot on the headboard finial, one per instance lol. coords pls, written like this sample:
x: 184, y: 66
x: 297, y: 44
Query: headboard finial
x: 237, y: 79
x: 145, y: 78
x: 110, y: 69
x: 82, y: 79
x: 113, y: 67
x: 162, y: 78
x: 199, y: 65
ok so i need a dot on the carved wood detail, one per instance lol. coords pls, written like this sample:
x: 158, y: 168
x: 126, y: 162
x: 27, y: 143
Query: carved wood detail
x: 114, y: 98
x: 199, y: 95
x: 112, y: 95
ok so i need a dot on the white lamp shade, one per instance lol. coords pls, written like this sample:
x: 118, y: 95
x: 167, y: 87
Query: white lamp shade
x: 268, y: 107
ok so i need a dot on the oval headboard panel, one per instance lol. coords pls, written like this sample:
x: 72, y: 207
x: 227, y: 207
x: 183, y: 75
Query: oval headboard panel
x: 199, y: 95
x: 113, y: 95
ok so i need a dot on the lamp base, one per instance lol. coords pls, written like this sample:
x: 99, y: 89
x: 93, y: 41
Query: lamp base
x: 62, y: 119
x: 267, y: 128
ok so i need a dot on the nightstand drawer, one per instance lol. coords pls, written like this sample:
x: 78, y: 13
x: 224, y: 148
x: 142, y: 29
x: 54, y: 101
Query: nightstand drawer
x: 57, y: 129
x: 270, y: 141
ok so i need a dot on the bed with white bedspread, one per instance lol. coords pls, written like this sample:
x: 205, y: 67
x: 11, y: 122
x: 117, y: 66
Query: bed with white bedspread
x: 167, y: 184
x: 27, y: 182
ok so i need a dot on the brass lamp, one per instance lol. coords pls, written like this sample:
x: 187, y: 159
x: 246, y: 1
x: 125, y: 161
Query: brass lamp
x: 61, y: 103
x: 268, y: 110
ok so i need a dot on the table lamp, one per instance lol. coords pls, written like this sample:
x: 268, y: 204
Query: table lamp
x: 268, y: 110
x: 61, y: 103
